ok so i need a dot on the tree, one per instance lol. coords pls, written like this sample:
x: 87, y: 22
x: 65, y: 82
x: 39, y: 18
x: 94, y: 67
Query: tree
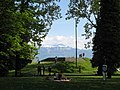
x: 106, y: 16
x: 40, y: 14
x: 23, y: 24
x: 106, y: 41
x: 85, y: 9
x: 7, y: 34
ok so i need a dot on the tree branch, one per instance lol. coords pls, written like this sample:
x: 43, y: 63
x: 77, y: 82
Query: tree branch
x: 95, y: 16
x: 92, y: 22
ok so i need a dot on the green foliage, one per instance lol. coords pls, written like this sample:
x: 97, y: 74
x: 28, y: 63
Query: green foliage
x: 103, y: 15
x: 70, y: 67
x: 106, y: 41
x: 23, y: 25
x: 85, y: 9
x: 66, y: 67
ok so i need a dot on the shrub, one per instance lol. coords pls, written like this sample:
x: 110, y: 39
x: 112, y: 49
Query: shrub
x: 66, y: 67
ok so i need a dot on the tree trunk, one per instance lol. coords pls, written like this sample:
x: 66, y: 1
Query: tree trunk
x: 99, y: 72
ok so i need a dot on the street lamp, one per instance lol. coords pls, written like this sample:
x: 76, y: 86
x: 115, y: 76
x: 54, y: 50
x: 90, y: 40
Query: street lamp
x: 76, y: 40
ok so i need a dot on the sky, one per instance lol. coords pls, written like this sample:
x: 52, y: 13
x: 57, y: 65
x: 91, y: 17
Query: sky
x: 63, y: 31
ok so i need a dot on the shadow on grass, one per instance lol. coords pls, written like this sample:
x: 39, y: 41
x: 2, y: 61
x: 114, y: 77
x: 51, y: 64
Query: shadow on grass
x: 77, y: 83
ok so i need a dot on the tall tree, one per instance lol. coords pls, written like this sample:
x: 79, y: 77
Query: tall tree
x: 23, y: 24
x: 85, y: 9
x: 7, y: 34
x: 106, y: 16
x: 106, y: 41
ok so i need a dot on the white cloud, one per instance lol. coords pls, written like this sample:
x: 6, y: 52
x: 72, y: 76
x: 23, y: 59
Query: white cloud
x: 67, y: 41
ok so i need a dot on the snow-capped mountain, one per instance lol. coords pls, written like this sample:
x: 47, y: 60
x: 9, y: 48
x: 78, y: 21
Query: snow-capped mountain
x: 61, y: 50
x: 59, y: 45
x: 54, y: 45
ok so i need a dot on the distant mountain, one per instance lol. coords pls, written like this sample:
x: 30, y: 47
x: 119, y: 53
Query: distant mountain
x: 59, y: 45
x: 62, y: 51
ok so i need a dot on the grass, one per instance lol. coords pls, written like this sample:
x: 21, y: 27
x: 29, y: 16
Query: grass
x: 30, y: 82
x: 86, y: 69
x: 77, y: 83
x: 68, y: 67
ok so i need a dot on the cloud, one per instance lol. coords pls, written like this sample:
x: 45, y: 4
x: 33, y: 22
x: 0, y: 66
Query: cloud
x: 65, y: 40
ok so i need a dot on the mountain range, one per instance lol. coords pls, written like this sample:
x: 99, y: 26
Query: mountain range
x: 61, y: 50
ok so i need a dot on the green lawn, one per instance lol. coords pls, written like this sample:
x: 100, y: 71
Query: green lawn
x: 77, y: 83
x: 29, y: 80
x: 68, y: 67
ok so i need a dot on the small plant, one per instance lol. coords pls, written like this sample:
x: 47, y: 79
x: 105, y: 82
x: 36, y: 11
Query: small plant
x: 66, y: 67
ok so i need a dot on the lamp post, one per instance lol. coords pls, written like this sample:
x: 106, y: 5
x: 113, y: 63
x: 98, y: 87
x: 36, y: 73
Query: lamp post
x: 76, y: 40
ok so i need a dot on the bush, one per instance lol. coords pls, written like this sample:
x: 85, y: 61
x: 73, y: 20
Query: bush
x: 66, y: 67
